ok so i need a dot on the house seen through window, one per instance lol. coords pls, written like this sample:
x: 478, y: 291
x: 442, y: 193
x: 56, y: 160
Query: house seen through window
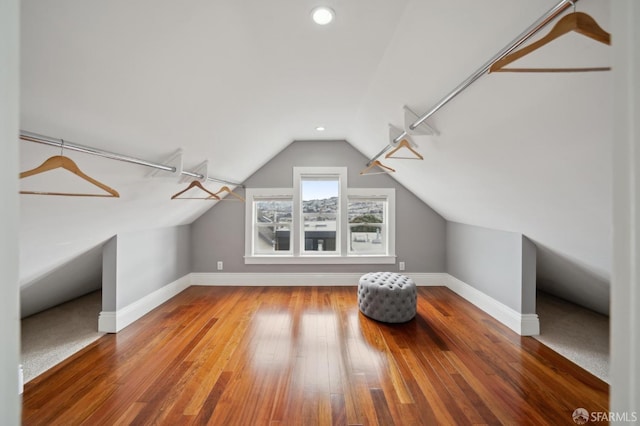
x: 320, y: 213
x: 273, y: 218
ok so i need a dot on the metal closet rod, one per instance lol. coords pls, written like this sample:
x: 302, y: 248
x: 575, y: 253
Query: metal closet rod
x: 525, y: 35
x: 60, y: 143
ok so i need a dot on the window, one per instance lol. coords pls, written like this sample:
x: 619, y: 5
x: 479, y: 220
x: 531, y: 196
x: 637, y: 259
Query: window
x: 272, y: 221
x: 320, y: 214
x: 367, y: 225
x: 269, y: 218
x: 320, y: 220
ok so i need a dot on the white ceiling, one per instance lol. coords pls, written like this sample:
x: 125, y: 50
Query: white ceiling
x: 235, y: 81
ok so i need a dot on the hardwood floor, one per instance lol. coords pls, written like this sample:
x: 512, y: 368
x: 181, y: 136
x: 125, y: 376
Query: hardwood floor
x: 306, y: 356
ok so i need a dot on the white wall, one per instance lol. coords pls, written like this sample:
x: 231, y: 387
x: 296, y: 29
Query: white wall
x: 521, y: 152
x: 625, y: 288
x: 9, y: 315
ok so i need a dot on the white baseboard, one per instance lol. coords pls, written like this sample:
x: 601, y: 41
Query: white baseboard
x: 303, y: 279
x: 112, y: 322
x: 107, y: 322
x: 529, y: 325
x: 429, y: 279
x: 20, y: 379
x: 273, y: 279
x: 523, y: 324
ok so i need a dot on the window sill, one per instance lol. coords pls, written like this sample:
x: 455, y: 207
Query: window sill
x: 318, y: 260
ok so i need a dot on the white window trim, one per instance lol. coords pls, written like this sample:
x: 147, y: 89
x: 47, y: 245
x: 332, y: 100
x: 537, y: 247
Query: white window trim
x: 251, y: 194
x: 296, y: 257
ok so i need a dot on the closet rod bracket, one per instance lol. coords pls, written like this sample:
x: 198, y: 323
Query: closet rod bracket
x: 174, y: 161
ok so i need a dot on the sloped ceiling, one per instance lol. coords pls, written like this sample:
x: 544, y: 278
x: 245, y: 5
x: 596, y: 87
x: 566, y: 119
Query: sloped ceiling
x: 234, y: 82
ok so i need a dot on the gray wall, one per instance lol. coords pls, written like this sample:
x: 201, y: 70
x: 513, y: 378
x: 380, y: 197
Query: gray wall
x: 625, y: 297
x: 139, y: 263
x: 500, y: 264
x: 77, y: 277
x: 529, y: 260
x: 110, y: 274
x: 572, y: 280
x: 9, y: 211
x: 219, y: 233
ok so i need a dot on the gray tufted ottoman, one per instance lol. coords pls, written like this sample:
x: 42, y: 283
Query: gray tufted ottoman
x: 387, y: 296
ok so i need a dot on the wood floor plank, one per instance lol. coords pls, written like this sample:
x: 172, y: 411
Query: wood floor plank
x: 383, y: 414
x: 307, y: 356
x: 214, y: 397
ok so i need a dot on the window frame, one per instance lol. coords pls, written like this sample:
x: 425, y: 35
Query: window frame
x: 259, y: 194
x: 298, y: 256
x: 389, y: 196
x: 325, y: 173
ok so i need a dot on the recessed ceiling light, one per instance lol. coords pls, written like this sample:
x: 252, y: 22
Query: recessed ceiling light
x: 322, y: 15
x: 320, y: 128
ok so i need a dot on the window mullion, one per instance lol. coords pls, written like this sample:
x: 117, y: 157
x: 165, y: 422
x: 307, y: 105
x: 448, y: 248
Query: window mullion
x: 342, y: 231
x: 298, y: 223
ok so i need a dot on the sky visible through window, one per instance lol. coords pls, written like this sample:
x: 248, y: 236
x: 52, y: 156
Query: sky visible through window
x: 319, y: 189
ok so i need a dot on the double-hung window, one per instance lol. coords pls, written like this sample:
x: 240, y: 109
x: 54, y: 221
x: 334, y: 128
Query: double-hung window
x: 320, y: 220
x: 368, y: 217
x: 319, y: 198
x: 269, y: 220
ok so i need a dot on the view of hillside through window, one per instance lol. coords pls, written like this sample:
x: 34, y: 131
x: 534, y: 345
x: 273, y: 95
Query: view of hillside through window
x: 366, y: 226
x: 319, y: 213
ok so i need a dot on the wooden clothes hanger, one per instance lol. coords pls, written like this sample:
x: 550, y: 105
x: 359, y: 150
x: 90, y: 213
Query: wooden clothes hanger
x: 577, y: 21
x: 376, y: 163
x: 195, y: 184
x: 60, y: 161
x: 404, y: 144
x: 230, y: 192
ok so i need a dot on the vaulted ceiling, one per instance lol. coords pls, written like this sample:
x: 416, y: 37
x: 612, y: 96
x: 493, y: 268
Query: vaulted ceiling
x: 234, y: 82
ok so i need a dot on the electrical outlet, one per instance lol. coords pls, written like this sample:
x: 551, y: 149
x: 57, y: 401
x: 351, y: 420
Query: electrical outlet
x: 401, y: 266
x: 219, y: 265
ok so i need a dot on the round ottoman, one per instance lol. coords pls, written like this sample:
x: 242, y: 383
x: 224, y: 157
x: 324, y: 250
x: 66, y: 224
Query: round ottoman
x: 387, y: 297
